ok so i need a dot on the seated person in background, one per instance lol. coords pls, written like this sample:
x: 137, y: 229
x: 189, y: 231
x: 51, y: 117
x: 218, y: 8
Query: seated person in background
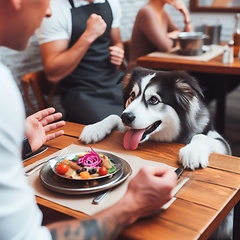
x: 154, y: 28
x: 155, y: 35
x: 20, y: 217
x: 82, y: 50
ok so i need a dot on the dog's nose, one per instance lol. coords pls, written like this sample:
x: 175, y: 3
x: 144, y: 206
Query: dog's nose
x: 127, y: 118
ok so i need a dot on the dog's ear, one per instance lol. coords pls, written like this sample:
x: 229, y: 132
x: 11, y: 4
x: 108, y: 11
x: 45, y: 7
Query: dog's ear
x: 126, y: 79
x: 184, y: 93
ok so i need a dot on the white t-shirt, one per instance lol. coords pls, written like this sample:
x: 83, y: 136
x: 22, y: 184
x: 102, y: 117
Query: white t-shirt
x: 20, y: 217
x: 59, y: 25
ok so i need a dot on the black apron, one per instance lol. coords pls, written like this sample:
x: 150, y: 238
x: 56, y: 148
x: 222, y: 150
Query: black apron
x: 91, y: 92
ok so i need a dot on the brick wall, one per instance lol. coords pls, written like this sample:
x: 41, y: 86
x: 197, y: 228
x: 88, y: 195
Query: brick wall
x: 29, y: 59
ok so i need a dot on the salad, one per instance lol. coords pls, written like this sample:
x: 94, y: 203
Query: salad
x: 85, y: 165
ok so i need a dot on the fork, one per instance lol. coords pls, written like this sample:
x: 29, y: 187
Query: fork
x: 62, y: 154
x: 100, y: 197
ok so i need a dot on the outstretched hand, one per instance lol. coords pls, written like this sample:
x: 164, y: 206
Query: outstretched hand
x: 39, y: 124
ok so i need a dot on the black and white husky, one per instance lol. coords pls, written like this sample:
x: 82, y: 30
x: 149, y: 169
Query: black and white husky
x: 166, y: 107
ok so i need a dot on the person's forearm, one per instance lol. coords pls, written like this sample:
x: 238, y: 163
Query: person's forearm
x: 62, y: 64
x: 118, y: 44
x: 106, y: 225
x: 180, y: 5
x: 116, y: 38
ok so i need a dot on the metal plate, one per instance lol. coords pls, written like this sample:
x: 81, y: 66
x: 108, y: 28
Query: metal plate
x: 58, y: 184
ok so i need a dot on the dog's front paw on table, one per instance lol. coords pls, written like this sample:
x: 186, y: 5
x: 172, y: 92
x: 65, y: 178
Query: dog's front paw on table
x: 193, y: 157
x: 98, y: 131
x: 94, y: 133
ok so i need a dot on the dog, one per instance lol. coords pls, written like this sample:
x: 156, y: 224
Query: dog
x: 167, y: 107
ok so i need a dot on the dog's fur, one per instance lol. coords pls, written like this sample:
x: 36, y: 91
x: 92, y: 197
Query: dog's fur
x: 166, y: 107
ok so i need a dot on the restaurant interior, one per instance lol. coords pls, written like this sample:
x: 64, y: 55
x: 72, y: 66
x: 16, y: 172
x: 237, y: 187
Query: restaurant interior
x: 207, y: 195
x: 213, y: 13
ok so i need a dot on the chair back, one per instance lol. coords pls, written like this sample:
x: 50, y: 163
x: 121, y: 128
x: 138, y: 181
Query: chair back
x: 126, y: 45
x: 42, y: 88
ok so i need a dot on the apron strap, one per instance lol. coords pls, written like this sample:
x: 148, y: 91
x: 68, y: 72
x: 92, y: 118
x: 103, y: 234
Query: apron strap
x: 72, y: 3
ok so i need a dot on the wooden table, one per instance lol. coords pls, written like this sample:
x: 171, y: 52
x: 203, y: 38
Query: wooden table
x: 213, y: 66
x: 201, y: 204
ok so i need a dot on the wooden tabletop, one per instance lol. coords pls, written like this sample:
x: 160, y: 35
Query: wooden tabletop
x: 215, y: 65
x: 202, y: 203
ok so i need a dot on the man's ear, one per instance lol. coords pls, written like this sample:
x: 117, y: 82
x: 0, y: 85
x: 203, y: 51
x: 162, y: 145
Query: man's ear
x: 17, y: 4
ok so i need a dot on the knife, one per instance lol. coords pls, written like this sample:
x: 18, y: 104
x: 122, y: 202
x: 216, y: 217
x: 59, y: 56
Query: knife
x: 98, y: 199
x: 179, y: 172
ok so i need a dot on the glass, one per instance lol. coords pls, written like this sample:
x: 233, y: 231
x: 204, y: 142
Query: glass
x: 236, y: 36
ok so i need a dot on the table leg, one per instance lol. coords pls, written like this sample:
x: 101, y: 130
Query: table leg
x: 236, y: 222
x: 221, y: 105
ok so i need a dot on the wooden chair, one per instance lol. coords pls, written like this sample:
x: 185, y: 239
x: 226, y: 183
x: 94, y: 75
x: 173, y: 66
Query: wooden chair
x: 126, y: 45
x: 41, y: 87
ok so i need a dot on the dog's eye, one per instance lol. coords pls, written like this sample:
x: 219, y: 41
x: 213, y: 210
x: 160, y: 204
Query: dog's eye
x: 153, y: 101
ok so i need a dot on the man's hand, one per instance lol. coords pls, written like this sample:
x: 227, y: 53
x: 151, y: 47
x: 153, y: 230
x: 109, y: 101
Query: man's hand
x: 39, y: 124
x: 116, y: 55
x: 150, y: 189
x: 188, y: 27
x: 96, y: 26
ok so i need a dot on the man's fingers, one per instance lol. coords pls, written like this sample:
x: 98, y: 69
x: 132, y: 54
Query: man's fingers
x: 54, y: 135
x: 43, y: 113
x: 55, y: 125
x: 51, y: 118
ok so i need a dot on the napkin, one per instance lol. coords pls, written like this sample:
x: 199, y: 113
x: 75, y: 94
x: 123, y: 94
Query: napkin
x: 215, y: 50
x: 83, y: 203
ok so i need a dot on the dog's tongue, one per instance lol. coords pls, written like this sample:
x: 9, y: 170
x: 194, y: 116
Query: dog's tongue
x: 132, y: 139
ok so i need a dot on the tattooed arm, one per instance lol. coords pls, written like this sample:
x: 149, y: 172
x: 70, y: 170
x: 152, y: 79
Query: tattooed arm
x: 150, y: 185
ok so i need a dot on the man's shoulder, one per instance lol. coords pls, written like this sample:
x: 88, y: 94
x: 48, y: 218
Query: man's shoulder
x: 60, y: 4
x: 114, y: 2
x: 6, y: 78
x: 4, y: 70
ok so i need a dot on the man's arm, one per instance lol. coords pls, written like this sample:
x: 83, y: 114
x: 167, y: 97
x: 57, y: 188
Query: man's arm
x: 147, y: 192
x: 116, y: 48
x: 59, y: 61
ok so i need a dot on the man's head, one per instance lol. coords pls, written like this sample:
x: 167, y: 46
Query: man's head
x: 19, y: 19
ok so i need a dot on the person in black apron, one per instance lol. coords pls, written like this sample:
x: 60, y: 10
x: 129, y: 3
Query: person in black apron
x: 92, y: 92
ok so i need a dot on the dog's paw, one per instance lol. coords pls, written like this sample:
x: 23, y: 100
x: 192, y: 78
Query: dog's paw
x: 196, y: 153
x: 96, y: 132
x: 193, y: 158
x: 93, y: 133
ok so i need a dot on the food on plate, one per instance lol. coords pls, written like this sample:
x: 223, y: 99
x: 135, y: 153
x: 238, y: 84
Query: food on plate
x: 62, y: 168
x: 103, y: 171
x: 86, y: 165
